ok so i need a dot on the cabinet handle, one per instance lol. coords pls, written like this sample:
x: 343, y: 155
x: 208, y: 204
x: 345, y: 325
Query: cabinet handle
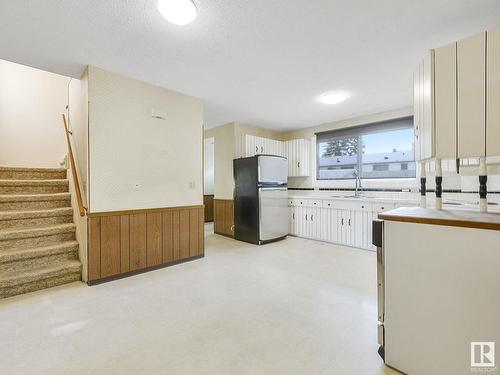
x: 293, y: 216
x: 256, y: 149
x: 349, y: 222
x: 312, y: 216
x: 342, y: 221
x: 298, y: 164
x: 306, y: 217
x: 261, y: 148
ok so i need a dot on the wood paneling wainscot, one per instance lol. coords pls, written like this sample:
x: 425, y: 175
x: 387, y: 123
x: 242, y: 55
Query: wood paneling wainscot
x: 208, y: 201
x: 224, y: 217
x: 128, y: 242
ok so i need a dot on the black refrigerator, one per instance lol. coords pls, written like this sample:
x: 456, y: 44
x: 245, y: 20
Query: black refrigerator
x: 261, y: 212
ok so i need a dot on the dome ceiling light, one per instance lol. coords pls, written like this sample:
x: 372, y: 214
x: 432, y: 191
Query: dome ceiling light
x: 178, y: 12
x: 333, y: 97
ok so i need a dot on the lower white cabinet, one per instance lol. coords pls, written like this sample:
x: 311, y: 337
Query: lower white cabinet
x: 343, y: 222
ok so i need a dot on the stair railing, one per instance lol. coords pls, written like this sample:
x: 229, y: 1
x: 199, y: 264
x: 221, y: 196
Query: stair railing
x: 74, y: 173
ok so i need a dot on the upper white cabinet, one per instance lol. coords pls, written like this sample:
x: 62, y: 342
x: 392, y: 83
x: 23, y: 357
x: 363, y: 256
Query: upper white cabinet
x: 423, y: 86
x: 298, y: 152
x: 445, y: 99
x: 252, y: 145
x: 461, y: 116
x: 471, y: 98
x: 493, y: 93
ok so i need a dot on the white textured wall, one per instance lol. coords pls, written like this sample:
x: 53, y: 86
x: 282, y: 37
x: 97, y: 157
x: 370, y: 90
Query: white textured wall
x: 31, y: 104
x: 137, y: 161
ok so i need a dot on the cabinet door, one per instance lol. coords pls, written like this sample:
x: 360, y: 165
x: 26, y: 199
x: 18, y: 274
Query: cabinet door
x: 350, y: 227
x: 342, y: 237
x: 445, y: 99
x: 303, y: 157
x: 268, y: 146
x: 334, y: 225
x: 281, y: 148
x: 358, y: 228
x: 292, y: 157
x: 493, y: 93
x: 416, y: 112
x: 315, y: 223
x: 324, y: 224
x: 471, y: 72
x: 291, y: 229
x: 427, y: 135
x: 297, y: 221
x: 250, y: 146
x: 304, y: 225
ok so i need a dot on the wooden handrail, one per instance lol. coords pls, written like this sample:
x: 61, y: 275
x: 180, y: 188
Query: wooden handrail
x: 81, y: 207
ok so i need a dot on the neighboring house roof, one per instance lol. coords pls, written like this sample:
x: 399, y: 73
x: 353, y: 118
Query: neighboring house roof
x: 383, y: 157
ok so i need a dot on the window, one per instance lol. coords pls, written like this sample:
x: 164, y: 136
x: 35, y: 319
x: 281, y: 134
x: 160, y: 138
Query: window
x: 380, y: 150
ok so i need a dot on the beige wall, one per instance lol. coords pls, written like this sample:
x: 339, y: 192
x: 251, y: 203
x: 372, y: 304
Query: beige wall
x: 355, y: 121
x: 242, y: 129
x: 31, y: 104
x: 137, y: 161
x: 78, y: 123
x: 224, y: 151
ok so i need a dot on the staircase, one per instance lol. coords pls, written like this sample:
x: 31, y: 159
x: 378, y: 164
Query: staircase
x: 38, y: 248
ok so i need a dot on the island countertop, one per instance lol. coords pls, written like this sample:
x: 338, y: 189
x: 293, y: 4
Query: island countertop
x: 454, y: 218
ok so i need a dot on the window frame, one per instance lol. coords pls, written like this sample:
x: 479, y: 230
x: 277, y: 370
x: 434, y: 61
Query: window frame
x: 357, y: 131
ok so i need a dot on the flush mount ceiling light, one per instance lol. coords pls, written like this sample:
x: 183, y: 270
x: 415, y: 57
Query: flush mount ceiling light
x: 333, y: 97
x: 179, y: 12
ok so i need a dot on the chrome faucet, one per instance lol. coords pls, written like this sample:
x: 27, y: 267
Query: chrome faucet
x: 357, y: 176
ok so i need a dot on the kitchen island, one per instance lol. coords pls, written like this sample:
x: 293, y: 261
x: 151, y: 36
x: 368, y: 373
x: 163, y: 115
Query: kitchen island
x: 439, y: 290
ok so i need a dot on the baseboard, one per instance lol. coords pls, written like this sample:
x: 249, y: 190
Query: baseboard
x: 142, y: 270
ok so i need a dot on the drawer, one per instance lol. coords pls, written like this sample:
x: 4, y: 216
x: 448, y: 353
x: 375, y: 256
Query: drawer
x: 364, y: 206
x: 314, y: 202
x: 329, y: 203
x: 381, y: 207
x: 306, y: 202
x: 347, y: 205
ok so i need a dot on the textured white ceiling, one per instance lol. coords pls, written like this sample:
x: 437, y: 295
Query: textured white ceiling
x: 257, y: 61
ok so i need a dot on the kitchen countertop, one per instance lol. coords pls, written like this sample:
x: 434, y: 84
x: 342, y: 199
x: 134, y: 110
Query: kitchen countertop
x: 454, y: 218
x: 448, y: 203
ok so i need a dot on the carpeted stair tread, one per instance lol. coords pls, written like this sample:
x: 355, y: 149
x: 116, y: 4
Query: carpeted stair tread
x: 10, y: 182
x: 38, y: 252
x: 33, y: 214
x: 30, y: 187
x: 38, y: 247
x: 14, y: 278
x: 34, y: 197
x: 16, y: 233
x: 28, y: 169
x: 32, y: 173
